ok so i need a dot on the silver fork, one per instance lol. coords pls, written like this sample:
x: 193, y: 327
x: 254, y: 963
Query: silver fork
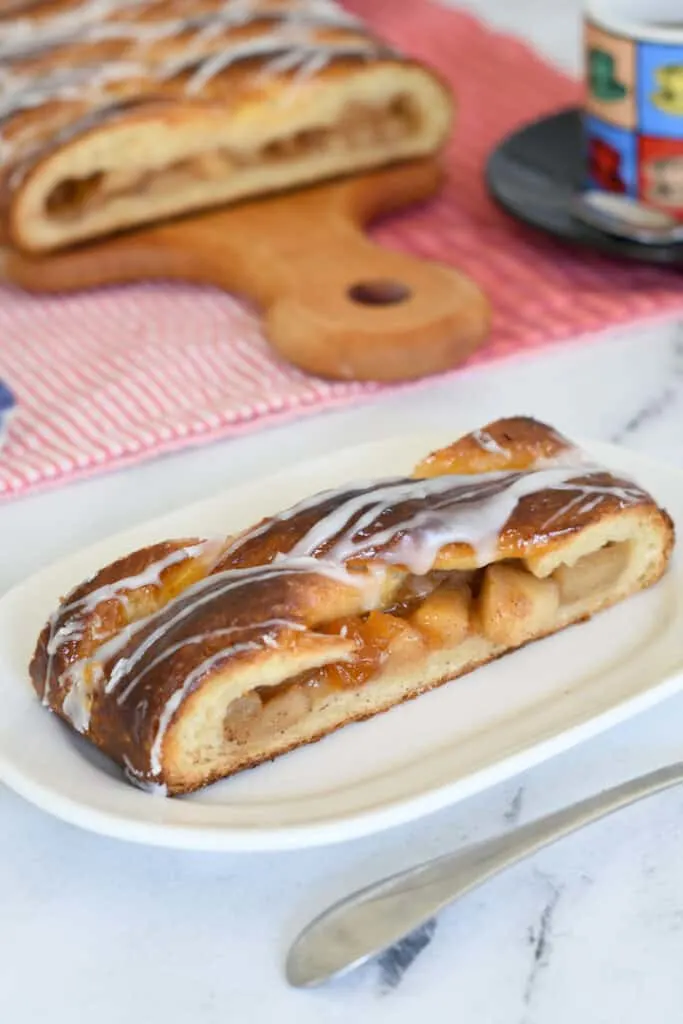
x: 364, y: 924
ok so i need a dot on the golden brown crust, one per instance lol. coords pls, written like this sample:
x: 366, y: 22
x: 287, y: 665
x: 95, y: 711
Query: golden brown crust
x: 150, y: 641
x: 198, y: 639
x: 180, y: 787
x: 515, y: 442
x: 537, y: 522
x: 87, y: 626
x: 77, y: 71
x: 208, y: 617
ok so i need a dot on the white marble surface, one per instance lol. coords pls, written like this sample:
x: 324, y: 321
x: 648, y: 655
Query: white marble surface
x: 590, y: 930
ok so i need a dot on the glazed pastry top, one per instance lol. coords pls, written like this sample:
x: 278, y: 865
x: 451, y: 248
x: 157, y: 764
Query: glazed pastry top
x: 68, y: 66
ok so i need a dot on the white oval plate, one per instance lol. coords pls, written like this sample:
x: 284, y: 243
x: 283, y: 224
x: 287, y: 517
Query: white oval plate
x: 415, y: 759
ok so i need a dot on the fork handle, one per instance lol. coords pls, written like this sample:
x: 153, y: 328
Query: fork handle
x: 371, y: 920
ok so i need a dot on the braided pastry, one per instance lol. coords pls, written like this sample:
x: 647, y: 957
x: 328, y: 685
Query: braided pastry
x: 115, y: 113
x: 191, y: 660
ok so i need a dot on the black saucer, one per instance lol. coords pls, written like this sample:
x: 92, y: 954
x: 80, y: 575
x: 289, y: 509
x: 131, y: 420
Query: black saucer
x: 533, y: 175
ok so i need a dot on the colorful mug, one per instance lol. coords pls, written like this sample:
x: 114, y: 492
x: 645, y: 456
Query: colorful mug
x: 633, y: 113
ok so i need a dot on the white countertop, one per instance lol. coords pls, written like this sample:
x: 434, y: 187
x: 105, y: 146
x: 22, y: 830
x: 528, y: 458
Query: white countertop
x: 588, y: 931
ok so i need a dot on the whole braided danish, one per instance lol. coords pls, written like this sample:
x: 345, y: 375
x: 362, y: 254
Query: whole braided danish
x: 192, y: 659
x: 116, y: 113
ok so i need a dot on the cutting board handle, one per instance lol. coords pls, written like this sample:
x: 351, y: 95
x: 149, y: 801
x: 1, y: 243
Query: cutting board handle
x: 353, y: 310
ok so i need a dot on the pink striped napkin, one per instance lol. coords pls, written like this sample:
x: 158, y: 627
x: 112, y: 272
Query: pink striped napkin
x: 113, y: 377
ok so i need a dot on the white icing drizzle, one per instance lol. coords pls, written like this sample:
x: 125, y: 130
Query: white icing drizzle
x: 289, y: 42
x: 19, y: 36
x: 19, y: 92
x: 217, y: 586
x: 227, y: 582
x: 301, y: 53
x: 489, y: 443
x: 458, y: 516
x: 71, y: 630
x: 123, y: 666
x: 150, y: 576
x: 305, y: 505
x: 82, y: 677
x: 408, y: 520
x: 93, y: 22
x: 211, y: 589
x: 139, y: 780
x: 470, y: 509
x: 86, y: 675
x: 178, y: 696
x: 76, y: 704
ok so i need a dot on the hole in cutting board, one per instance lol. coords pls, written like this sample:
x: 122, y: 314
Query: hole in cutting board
x: 379, y: 293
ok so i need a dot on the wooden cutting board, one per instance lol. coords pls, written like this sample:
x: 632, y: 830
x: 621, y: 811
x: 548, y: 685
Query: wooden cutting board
x: 333, y: 302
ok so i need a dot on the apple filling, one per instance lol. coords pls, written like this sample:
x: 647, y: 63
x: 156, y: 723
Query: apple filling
x: 360, y: 127
x: 504, y: 603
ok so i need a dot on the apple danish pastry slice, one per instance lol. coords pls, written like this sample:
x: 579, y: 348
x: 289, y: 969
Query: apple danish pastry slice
x: 189, y: 662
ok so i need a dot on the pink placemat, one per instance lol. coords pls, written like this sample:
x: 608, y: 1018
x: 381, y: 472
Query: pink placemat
x: 110, y: 378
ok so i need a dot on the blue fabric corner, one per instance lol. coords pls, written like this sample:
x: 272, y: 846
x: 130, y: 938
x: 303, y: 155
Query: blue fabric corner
x: 7, y: 399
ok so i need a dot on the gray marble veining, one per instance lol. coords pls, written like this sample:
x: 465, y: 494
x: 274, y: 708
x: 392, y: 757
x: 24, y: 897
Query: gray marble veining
x: 540, y: 942
x: 396, y: 961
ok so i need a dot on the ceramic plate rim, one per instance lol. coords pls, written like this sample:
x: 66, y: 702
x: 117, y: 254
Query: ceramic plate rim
x: 217, y: 837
